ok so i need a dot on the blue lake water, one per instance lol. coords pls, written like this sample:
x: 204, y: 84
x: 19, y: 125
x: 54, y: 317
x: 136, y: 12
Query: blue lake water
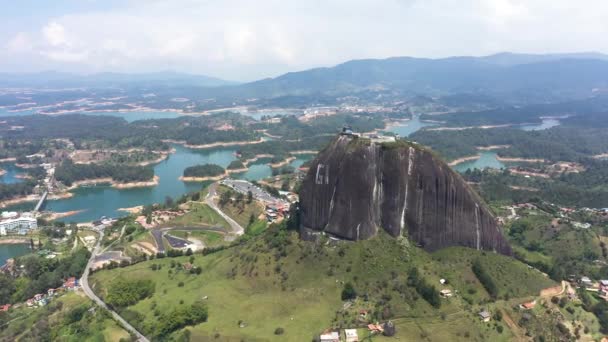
x: 409, y: 127
x: 11, y: 172
x: 103, y: 200
x: 487, y: 159
x: 129, y: 116
x: 12, y: 251
x: 546, y: 124
x: 140, y: 115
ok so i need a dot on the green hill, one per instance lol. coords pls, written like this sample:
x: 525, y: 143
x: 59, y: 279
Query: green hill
x: 277, y: 281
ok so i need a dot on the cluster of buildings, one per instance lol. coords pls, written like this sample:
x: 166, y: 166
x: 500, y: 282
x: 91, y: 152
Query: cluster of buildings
x: 12, y: 222
x: 351, y: 335
x: 42, y: 299
x: 276, y: 208
x: 601, y: 286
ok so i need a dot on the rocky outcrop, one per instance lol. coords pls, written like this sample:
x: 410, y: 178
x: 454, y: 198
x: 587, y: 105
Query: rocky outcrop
x: 356, y: 187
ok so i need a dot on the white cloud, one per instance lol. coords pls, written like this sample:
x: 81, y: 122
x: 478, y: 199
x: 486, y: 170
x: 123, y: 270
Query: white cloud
x: 55, y: 34
x: 240, y: 39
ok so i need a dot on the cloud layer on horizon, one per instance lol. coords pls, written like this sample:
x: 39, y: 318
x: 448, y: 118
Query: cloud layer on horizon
x: 245, y: 40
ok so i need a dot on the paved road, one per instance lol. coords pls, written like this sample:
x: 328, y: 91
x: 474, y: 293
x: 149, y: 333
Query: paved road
x: 84, y: 282
x: 158, y: 237
x: 236, y: 228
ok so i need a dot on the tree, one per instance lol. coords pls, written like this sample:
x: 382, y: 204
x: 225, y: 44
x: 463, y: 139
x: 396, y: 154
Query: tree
x: 251, y: 220
x: 7, y: 287
x: 225, y: 197
x: 240, y: 198
x: 348, y: 292
x: 249, y: 196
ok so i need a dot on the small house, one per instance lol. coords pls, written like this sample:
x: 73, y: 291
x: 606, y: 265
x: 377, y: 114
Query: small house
x: 5, y: 307
x: 333, y: 336
x: 187, y: 266
x: 30, y: 303
x: 485, y: 316
x: 604, y: 285
x: 71, y: 283
x: 586, y: 282
x: 50, y: 292
x: 375, y: 328
x: 528, y: 305
x: 446, y: 293
x: 351, y: 335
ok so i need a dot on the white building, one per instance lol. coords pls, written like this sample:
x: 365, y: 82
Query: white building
x: 351, y: 335
x: 333, y: 336
x: 15, y: 223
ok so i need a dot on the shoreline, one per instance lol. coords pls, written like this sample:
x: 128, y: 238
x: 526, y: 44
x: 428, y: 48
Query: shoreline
x: 142, y: 184
x: 304, y: 152
x: 56, y: 216
x: 132, y: 210
x: 19, y: 200
x: 255, y: 158
x: 113, y: 183
x: 219, y: 144
x: 463, y: 160
x: 163, y: 155
x: 462, y: 128
x: 243, y: 169
x: 203, y: 179
x: 600, y: 156
x: 285, y: 162
x: 14, y: 241
x: 492, y: 147
x: 519, y: 160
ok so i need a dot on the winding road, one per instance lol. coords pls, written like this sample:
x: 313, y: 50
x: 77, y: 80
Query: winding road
x: 84, y: 282
x: 237, y: 229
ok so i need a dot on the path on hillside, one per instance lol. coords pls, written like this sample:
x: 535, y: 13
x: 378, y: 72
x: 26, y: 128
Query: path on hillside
x: 84, y: 282
x: 515, y: 329
x: 237, y: 229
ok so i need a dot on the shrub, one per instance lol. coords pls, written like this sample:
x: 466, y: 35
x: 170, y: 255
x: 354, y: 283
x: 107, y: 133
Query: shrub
x: 181, y: 317
x: 279, y: 331
x: 123, y: 292
x: 348, y: 292
x: 484, y: 278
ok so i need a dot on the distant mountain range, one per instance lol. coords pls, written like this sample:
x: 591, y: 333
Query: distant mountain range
x: 54, y: 79
x: 501, y: 75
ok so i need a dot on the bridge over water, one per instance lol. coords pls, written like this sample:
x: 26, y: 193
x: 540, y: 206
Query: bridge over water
x: 41, y: 201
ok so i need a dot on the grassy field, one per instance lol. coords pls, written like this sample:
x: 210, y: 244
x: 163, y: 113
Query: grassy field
x: 513, y: 279
x: 210, y: 239
x: 200, y: 215
x: 273, y: 282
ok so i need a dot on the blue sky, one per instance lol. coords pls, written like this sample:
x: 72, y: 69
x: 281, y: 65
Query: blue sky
x: 245, y: 40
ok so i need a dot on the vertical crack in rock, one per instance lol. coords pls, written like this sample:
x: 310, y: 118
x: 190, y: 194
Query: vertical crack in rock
x: 478, y: 245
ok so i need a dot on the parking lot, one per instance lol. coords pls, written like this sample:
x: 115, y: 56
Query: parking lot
x: 244, y: 186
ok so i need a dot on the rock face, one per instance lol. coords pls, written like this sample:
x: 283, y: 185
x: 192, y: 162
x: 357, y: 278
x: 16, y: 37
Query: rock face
x: 356, y: 187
